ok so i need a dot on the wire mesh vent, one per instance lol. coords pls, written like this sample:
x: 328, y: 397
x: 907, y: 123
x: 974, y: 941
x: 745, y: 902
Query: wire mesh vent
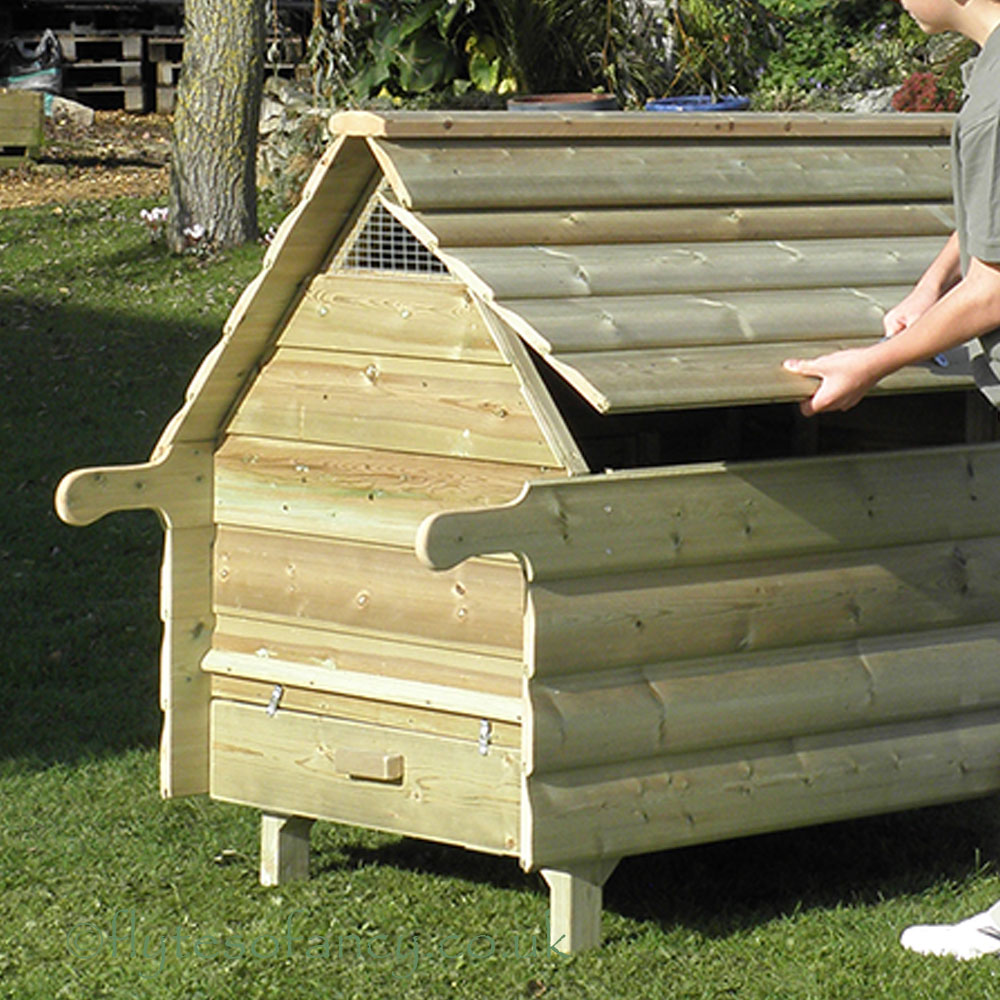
x: 381, y: 243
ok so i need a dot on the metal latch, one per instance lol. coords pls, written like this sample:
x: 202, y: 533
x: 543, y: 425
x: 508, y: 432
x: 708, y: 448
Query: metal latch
x: 272, y: 705
x: 485, y: 732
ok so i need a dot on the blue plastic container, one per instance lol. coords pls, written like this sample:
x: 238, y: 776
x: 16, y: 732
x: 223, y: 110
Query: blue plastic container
x: 698, y: 102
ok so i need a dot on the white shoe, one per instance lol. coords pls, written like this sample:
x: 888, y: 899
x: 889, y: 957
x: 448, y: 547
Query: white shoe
x: 979, y: 935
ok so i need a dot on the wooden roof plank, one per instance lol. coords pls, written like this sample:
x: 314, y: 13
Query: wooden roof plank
x: 542, y: 272
x: 631, y: 124
x: 633, y: 381
x: 554, y: 227
x: 465, y: 175
x: 635, y: 322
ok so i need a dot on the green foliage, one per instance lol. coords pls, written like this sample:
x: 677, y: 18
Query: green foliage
x: 787, y: 53
x: 411, y: 49
x: 720, y: 46
x: 834, y: 49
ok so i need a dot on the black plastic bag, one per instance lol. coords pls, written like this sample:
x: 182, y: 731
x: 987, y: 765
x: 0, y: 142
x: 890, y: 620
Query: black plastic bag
x: 32, y: 67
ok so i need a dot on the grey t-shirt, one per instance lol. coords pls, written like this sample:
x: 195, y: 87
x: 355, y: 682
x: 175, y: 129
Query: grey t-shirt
x: 975, y: 144
x: 975, y: 147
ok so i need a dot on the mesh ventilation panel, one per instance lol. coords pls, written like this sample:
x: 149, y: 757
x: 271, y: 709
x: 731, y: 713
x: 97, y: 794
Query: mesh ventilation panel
x: 380, y: 242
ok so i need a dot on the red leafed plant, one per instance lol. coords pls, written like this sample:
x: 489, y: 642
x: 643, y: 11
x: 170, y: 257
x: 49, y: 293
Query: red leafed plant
x: 923, y: 92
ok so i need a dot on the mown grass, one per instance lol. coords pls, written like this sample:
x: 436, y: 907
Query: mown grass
x: 99, y: 333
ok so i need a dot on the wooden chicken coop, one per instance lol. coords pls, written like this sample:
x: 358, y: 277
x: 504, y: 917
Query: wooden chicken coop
x: 492, y: 519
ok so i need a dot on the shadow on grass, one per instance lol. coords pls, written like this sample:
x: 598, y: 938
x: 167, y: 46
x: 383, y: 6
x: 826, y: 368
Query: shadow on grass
x: 79, y: 608
x: 722, y: 888
x: 108, y: 162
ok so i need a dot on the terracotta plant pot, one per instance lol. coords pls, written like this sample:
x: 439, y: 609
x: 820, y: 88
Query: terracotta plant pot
x: 585, y: 101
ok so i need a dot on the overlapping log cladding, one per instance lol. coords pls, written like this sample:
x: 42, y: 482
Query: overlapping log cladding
x: 492, y: 518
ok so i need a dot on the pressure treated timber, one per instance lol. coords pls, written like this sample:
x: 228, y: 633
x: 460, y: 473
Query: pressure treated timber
x: 449, y: 791
x: 186, y: 612
x: 562, y: 126
x: 542, y: 272
x: 673, y: 801
x: 376, y: 589
x: 643, y: 380
x: 393, y: 403
x: 599, y: 623
x: 434, y: 690
x: 284, y: 849
x: 177, y: 484
x: 608, y: 226
x: 693, y: 515
x: 547, y: 415
x: 21, y: 125
x: 356, y: 493
x: 385, y: 660
x: 594, y: 717
x: 414, y: 318
x: 575, y: 910
x: 650, y: 322
x: 304, y: 237
x: 370, y: 710
x: 431, y: 176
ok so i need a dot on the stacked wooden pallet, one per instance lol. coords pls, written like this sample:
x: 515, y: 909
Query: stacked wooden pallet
x: 165, y: 54
x: 104, y: 69
x: 20, y: 125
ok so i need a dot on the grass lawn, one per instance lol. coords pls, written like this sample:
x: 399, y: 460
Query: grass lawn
x: 107, y: 891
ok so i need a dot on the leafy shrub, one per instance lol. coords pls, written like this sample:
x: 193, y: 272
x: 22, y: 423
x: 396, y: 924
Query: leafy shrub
x: 923, y: 92
x: 720, y: 45
x: 831, y: 50
x: 428, y: 51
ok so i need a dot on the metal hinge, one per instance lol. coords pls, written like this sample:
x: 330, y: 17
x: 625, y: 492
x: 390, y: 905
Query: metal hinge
x: 272, y: 705
x: 485, y: 732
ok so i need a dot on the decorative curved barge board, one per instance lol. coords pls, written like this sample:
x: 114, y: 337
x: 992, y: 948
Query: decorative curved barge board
x: 490, y: 519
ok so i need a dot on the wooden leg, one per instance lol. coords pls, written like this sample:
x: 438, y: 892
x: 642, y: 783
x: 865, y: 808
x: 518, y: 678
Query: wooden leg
x: 575, y: 904
x: 284, y: 848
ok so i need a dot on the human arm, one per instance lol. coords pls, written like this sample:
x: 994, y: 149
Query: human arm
x: 943, y: 274
x: 967, y: 309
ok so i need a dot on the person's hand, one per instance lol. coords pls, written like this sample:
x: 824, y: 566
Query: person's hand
x: 845, y: 377
x: 899, y: 317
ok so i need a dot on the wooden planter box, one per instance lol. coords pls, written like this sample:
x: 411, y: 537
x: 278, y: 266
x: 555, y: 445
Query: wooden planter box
x: 402, y: 587
x: 21, y: 117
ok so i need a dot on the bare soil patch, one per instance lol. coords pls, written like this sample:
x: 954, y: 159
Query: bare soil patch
x: 119, y: 155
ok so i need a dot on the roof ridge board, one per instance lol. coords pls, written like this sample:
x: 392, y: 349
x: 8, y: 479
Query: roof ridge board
x: 633, y: 124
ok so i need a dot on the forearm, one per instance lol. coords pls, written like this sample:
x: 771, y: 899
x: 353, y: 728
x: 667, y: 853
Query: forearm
x: 945, y: 271
x: 969, y: 308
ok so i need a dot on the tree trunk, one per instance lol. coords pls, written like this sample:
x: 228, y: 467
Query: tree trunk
x: 213, y: 177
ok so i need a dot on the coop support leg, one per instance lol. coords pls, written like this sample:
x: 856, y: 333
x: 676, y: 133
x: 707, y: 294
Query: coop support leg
x: 575, y: 903
x: 284, y: 848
